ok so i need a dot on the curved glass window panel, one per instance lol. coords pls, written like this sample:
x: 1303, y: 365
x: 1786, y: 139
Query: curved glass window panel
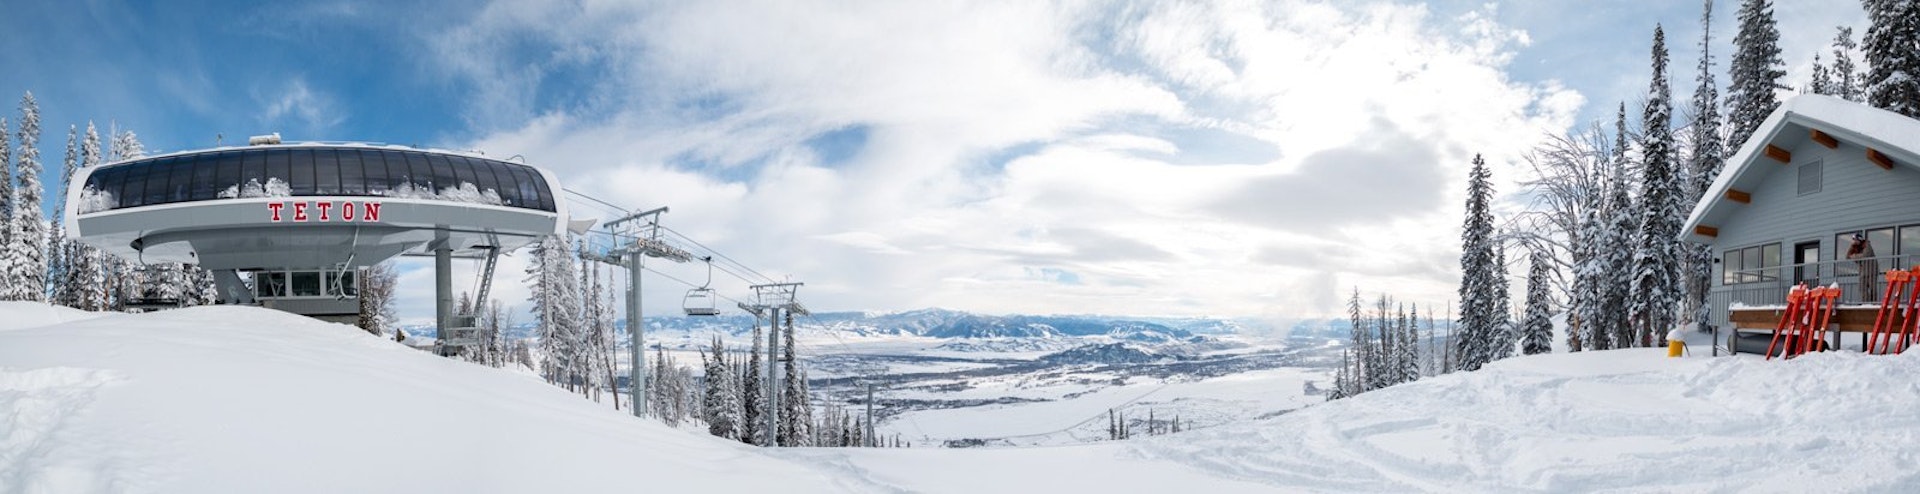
x: 419, y: 172
x: 443, y: 176
x: 205, y: 168
x: 483, y: 177
x: 503, y: 182
x: 326, y: 172
x: 180, y: 178
x: 375, y: 165
x: 353, y: 174
x: 108, y: 180
x: 546, y: 195
x: 300, y: 176
x: 253, y: 168
x: 277, y: 166
x: 157, y: 176
x: 133, y: 187
x: 523, y: 181
x: 229, y: 172
x: 461, y: 170
x: 398, y: 172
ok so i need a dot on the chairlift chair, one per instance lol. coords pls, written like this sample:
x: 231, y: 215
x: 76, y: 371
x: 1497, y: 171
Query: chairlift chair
x: 700, y: 301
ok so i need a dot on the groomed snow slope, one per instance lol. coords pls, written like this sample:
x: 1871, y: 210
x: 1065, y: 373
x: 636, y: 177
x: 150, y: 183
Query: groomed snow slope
x: 224, y: 399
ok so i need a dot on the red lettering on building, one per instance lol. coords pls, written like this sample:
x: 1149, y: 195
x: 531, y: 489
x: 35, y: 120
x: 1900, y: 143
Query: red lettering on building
x: 372, y: 212
x: 275, y: 206
x: 349, y: 211
x: 300, y: 211
x: 324, y: 207
x: 346, y: 211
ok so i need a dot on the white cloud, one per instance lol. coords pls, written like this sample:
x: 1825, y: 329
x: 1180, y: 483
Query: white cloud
x: 1026, y: 156
x: 297, y: 106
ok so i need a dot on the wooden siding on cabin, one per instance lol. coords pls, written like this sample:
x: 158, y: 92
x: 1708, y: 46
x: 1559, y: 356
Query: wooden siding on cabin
x: 1853, y: 194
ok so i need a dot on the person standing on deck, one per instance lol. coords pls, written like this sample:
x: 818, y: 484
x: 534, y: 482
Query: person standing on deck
x: 1861, y: 252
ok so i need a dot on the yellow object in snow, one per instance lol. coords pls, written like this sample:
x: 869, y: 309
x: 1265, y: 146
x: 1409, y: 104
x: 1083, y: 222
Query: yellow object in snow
x: 1674, y: 346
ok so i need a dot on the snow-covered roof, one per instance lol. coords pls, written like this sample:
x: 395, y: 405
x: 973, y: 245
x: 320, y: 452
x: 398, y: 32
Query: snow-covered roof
x: 1892, y: 134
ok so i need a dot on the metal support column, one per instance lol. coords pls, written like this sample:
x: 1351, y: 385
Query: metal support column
x: 636, y: 335
x: 773, y: 376
x: 442, y: 287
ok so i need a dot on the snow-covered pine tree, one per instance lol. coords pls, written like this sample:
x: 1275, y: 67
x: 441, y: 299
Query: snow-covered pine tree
x: 1358, y: 341
x: 378, y: 284
x: 1846, y: 75
x: 793, y: 419
x: 1656, y: 264
x: 1705, y: 159
x: 1477, y: 272
x: 29, y: 251
x: 721, y: 402
x: 59, y: 249
x: 9, y: 266
x: 556, y: 311
x: 1409, y: 345
x: 1821, y: 81
x: 1755, y: 72
x: 1378, y: 366
x: 1589, y: 280
x: 124, y: 276
x: 1537, y: 328
x: 1617, y: 244
x: 87, y: 276
x: 1893, y: 61
x: 1506, y: 334
x: 753, y: 394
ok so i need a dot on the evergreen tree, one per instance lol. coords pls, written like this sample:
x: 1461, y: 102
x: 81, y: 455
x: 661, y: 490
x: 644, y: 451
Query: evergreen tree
x: 1589, y: 279
x: 1656, y: 265
x: 793, y: 413
x: 1846, y: 75
x: 1477, y: 272
x: 556, y: 311
x: 753, y: 394
x: 59, y: 249
x: 1892, y: 50
x: 1537, y: 329
x: 87, y: 275
x: 1617, y: 250
x: 1505, y: 333
x: 29, y: 252
x: 1408, y: 347
x: 1755, y: 72
x: 378, y: 284
x: 1706, y: 158
x: 1821, y: 82
x: 10, y: 284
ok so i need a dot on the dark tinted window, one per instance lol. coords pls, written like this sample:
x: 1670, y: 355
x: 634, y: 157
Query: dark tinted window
x: 205, y: 170
x: 353, y: 174
x: 523, y: 182
x: 300, y: 178
x: 253, y: 168
x: 482, y: 174
x: 326, y: 172
x: 133, y: 187
x: 229, y: 172
x: 277, y: 166
x: 398, y: 171
x: 157, y: 175
x: 546, y: 196
x: 443, y: 176
x: 180, y: 179
x: 375, y: 164
x: 419, y: 172
x: 504, y: 181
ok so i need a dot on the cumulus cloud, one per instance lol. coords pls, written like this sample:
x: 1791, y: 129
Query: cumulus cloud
x: 1073, y: 157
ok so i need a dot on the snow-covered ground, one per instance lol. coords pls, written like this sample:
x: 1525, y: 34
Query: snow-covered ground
x: 226, y: 399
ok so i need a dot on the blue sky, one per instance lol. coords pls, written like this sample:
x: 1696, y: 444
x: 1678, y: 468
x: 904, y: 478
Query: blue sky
x: 1225, y: 158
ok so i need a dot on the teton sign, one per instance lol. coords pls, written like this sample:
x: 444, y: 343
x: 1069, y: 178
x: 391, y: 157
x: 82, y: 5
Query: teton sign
x: 325, y: 211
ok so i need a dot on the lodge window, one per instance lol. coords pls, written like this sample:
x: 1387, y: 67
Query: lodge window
x: 1754, y: 264
x: 1881, y: 240
x: 316, y: 171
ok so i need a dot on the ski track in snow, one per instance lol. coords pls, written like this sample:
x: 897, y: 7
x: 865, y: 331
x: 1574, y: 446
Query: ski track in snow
x: 36, y: 406
x: 1824, y: 423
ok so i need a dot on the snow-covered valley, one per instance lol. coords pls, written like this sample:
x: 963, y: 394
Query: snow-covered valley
x: 226, y: 399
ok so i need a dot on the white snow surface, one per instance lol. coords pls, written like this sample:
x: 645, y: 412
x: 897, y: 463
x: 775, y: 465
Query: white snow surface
x: 229, y: 399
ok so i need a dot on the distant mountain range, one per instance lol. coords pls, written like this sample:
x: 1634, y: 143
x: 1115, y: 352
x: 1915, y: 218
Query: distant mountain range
x: 942, y: 323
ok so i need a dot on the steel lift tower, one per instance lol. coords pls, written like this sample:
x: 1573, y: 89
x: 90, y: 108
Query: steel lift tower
x: 636, y: 237
x: 768, y: 301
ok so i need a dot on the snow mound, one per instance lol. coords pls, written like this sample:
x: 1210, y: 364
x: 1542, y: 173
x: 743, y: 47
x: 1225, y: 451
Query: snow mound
x: 1593, y: 421
x: 236, y: 399
x: 21, y: 315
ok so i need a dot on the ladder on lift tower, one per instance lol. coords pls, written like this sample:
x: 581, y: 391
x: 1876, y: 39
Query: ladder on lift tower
x: 465, y: 330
